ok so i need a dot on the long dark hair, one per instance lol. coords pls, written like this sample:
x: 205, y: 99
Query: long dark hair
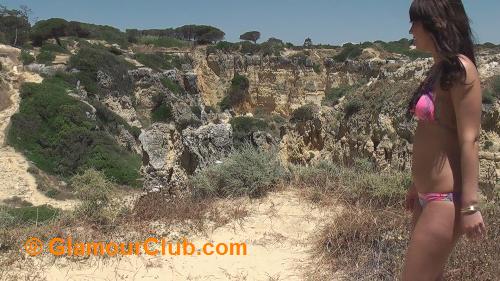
x: 449, y: 27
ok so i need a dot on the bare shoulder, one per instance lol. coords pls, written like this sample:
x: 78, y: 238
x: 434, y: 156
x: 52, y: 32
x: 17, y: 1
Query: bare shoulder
x: 472, y: 75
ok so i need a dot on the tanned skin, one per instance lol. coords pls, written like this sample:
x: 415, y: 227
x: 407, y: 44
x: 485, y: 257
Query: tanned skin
x: 445, y: 159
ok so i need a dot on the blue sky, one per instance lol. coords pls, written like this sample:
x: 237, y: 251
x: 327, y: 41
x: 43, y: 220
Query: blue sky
x: 324, y: 21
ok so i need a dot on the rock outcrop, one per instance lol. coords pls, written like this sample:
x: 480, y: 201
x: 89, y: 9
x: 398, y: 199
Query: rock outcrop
x: 170, y: 156
x: 205, y: 145
x: 161, y: 149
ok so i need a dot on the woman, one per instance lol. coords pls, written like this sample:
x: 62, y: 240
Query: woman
x: 443, y: 195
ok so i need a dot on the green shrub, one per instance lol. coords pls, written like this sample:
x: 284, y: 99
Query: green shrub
x: 209, y: 108
x: 93, y: 189
x: 238, y: 92
x: 488, y: 97
x: 492, y: 92
x: 49, y: 28
x: 28, y: 215
x: 317, y: 175
x: 163, y: 41
x: 496, y: 85
x: 183, y: 123
x: 54, y: 48
x: 366, y: 44
x: 162, y: 113
x: 115, y: 51
x: 105, y: 32
x: 52, y: 193
x: 26, y: 57
x: 135, y: 131
x: 90, y: 60
x: 27, y: 46
x: 244, y: 126
x: 223, y: 46
x: 196, y: 109
x: 75, y: 30
x: 317, y: 68
x: 300, y: 58
x: 333, y: 95
x: 45, y: 57
x: 278, y: 119
x: 352, y: 107
x: 275, y: 123
x: 111, y: 121
x: 303, y: 113
x: 249, y: 48
x: 402, y: 47
x: 272, y: 46
x: 160, y: 61
x: 224, y: 103
x: 349, y: 51
x: 357, y: 182
x: 171, y: 85
x: 246, y: 171
x: 488, y: 144
x: 50, y: 123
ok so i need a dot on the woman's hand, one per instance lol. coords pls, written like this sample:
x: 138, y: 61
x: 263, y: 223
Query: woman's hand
x: 473, y: 225
x: 411, y: 197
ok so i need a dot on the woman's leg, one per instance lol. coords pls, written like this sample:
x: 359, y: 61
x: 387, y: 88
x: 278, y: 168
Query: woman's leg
x: 431, y: 242
x: 456, y: 236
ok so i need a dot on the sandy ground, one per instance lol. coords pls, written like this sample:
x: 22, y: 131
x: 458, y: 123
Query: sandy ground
x: 14, y: 177
x: 278, y: 231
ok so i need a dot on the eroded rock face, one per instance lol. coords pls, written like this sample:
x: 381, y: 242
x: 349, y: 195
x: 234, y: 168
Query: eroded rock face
x: 127, y: 140
x: 302, y: 140
x: 281, y: 84
x: 42, y: 69
x: 161, y: 149
x: 277, y: 85
x: 491, y: 117
x: 329, y: 137
x: 149, y: 90
x: 205, y: 145
x: 170, y: 156
x: 124, y: 107
x: 263, y: 140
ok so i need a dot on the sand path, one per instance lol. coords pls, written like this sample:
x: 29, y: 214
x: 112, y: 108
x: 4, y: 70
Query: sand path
x: 14, y: 177
x: 278, y: 231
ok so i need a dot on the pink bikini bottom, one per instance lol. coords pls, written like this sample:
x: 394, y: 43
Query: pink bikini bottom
x: 425, y: 198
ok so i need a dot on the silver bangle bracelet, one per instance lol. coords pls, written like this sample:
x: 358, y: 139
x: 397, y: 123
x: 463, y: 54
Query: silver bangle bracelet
x: 469, y: 210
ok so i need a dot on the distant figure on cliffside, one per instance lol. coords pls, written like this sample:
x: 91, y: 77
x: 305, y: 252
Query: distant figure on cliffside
x: 445, y: 166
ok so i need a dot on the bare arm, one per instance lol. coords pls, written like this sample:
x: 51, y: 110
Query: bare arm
x: 467, y: 103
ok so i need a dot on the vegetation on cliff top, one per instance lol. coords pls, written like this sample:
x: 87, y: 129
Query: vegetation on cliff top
x: 50, y: 123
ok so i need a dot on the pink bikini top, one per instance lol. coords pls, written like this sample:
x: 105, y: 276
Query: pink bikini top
x: 424, y: 108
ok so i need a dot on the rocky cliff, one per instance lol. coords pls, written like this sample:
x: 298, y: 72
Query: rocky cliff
x: 377, y: 129
x: 297, y: 86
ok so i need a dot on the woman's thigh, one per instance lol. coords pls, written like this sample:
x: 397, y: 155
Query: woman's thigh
x: 431, y: 242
